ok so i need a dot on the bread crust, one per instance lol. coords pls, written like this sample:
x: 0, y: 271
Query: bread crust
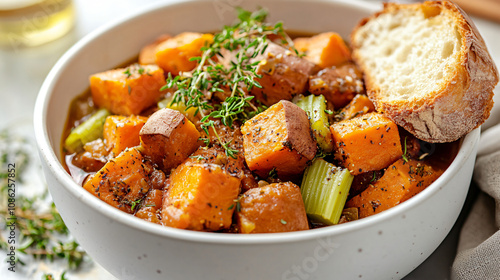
x: 462, y: 103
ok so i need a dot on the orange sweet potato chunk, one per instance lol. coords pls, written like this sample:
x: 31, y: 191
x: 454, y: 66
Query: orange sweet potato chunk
x: 174, y: 54
x: 401, y: 181
x: 127, y: 91
x: 148, y: 209
x: 339, y: 84
x: 200, y: 197
x: 283, y: 75
x: 279, y: 138
x: 122, y: 132
x: 122, y: 181
x: 325, y: 49
x: 276, y: 207
x: 366, y: 143
x: 358, y: 106
x: 147, y: 55
x: 168, y: 138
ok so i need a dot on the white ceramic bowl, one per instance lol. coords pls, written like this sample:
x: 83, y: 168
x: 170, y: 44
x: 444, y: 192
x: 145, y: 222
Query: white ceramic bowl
x: 385, y: 246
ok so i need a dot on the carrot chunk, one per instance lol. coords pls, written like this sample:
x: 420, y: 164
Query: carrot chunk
x: 325, y: 49
x: 127, y: 91
x: 200, y: 197
x: 366, y: 143
x: 123, y: 180
x: 278, y: 139
x: 122, y: 132
x: 401, y: 181
x: 359, y: 105
x: 168, y: 138
x: 174, y: 54
x: 272, y: 208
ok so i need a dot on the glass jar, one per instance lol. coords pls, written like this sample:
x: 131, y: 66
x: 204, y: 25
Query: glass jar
x: 27, y: 23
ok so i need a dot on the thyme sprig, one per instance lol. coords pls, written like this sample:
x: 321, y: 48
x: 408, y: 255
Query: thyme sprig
x: 41, y: 234
x: 242, y: 43
x: 49, y: 276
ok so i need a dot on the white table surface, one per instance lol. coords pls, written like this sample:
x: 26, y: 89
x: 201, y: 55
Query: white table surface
x: 22, y: 72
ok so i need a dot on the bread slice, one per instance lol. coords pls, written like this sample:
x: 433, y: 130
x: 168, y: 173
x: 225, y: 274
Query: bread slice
x: 427, y: 68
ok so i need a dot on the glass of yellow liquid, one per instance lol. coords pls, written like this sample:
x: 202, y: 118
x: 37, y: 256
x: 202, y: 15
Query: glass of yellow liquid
x: 27, y: 23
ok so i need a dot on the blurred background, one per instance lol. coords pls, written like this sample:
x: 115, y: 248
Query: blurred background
x: 32, y: 40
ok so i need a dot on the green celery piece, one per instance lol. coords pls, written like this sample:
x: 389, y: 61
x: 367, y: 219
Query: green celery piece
x: 90, y: 130
x: 315, y: 106
x: 324, y: 190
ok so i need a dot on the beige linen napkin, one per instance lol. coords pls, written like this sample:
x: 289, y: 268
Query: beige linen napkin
x: 478, y: 249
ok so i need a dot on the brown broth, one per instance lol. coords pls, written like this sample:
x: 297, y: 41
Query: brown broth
x: 80, y: 109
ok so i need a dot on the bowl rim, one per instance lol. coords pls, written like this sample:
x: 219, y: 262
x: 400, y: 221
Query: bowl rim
x: 55, y: 167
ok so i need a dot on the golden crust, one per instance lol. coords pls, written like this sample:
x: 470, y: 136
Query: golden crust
x: 463, y: 101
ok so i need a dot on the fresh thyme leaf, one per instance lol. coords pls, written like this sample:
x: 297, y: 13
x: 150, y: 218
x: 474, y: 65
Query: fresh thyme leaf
x: 205, y: 140
x: 133, y: 204
x: 49, y: 276
x: 237, y: 204
x: 244, y: 41
x: 41, y: 234
x: 127, y: 72
x: 198, y: 157
x: 405, y: 156
x: 273, y: 173
x: 229, y: 151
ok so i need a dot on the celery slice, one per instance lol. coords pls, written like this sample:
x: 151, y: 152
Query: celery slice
x: 324, y: 190
x: 89, y: 130
x: 315, y: 106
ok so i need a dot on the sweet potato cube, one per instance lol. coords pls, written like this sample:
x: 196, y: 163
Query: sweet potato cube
x: 122, y: 132
x: 168, y: 138
x: 284, y: 75
x: 127, y: 91
x: 147, y: 55
x: 200, y: 197
x: 272, y: 208
x: 401, y: 181
x: 174, y: 54
x: 339, y: 85
x: 359, y: 105
x: 122, y: 181
x: 325, y: 49
x: 148, y: 209
x: 366, y: 143
x: 279, y: 139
